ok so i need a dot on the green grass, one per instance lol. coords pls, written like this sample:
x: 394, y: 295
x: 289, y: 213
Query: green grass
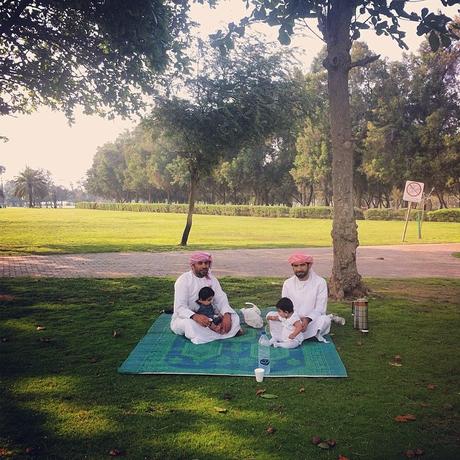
x: 39, y: 231
x: 65, y: 400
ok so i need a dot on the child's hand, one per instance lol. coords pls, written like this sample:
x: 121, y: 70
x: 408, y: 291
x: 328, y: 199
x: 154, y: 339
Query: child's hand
x: 273, y: 318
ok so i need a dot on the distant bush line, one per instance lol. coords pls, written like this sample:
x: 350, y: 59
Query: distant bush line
x: 302, y: 212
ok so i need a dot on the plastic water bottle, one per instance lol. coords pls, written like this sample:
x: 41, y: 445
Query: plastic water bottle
x: 264, y: 353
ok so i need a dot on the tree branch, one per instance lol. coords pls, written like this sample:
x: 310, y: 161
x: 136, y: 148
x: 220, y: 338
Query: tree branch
x: 364, y: 61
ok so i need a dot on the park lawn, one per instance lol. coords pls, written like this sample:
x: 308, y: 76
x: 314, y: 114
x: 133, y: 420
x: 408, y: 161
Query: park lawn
x: 63, y: 398
x: 41, y: 231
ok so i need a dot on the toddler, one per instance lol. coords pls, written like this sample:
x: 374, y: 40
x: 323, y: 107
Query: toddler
x: 205, y: 298
x: 291, y: 335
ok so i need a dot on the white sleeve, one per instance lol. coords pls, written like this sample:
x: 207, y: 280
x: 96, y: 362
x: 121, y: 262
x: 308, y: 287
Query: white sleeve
x: 320, y: 307
x: 285, y: 290
x: 181, y: 290
x: 220, y: 298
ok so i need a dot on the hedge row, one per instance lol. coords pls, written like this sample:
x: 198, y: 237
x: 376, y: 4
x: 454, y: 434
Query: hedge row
x: 310, y: 212
x: 303, y: 212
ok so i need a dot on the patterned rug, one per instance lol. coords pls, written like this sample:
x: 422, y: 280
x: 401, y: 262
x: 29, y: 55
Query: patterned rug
x: 163, y: 352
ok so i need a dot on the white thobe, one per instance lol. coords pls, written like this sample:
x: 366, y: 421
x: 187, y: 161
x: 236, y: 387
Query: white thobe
x: 310, y: 301
x: 186, y: 291
x: 283, y: 339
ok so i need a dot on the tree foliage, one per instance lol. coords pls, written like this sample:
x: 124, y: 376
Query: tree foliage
x: 101, y: 54
x: 339, y: 23
x: 236, y: 101
x: 31, y: 184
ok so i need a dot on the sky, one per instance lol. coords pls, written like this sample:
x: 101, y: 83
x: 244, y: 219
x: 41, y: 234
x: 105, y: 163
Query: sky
x: 45, y: 140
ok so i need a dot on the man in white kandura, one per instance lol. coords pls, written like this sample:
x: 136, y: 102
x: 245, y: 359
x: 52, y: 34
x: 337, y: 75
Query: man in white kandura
x: 185, y: 320
x: 308, y: 293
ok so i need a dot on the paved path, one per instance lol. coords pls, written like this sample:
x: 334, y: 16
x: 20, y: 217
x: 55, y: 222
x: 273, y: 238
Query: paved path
x: 405, y: 261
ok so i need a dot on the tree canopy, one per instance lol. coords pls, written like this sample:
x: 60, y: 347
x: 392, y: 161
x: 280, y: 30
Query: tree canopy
x: 101, y: 54
x: 339, y: 23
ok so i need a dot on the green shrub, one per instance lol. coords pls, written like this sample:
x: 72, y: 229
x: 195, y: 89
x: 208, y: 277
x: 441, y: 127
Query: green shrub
x: 391, y: 214
x: 311, y: 212
x: 444, y: 215
x: 301, y: 212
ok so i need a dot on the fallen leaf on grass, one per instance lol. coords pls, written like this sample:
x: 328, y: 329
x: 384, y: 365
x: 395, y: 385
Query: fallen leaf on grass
x: 324, y: 445
x: 45, y: 339
x: 270, y: 430
x: 260, y: 391
x: 41, y: 328
x: 221, y: 410
x: 302, y: 390
x: 405, y: 418
x: 116, y: 453
x: 268, y: 396
x: 431, y: 386
x: 392, y: 363
x: 6, y: 298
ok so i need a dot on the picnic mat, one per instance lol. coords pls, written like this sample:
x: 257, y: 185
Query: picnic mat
x: 163, y: 352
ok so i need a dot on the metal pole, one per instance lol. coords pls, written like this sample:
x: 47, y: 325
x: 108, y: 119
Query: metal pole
x: 407, y: 220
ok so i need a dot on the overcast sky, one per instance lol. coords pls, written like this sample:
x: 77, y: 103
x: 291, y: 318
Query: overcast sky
x: 44, y: 139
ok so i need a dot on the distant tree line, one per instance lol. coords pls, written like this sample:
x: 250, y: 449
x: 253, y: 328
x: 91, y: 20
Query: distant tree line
x: 36, y: 188
x: 254, y: 130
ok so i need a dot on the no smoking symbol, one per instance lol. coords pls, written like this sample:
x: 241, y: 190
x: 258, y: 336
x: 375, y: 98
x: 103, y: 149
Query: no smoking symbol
x: 413, y: 189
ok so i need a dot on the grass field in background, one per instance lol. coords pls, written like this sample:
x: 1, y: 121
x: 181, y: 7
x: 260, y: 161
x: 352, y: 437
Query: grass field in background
x: 61, y: 396
x: 28, y: 231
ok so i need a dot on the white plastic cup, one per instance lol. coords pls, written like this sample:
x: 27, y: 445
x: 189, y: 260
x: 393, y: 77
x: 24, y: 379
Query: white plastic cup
x: 259, y: 374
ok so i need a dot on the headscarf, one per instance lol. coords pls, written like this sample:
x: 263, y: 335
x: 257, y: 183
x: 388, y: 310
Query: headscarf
x: 299, y: 258
x: 200, y: 257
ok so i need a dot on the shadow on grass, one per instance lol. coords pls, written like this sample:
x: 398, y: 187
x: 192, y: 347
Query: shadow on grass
x: 64, y: 398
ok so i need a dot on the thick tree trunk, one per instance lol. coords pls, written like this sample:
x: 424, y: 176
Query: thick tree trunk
x: 191, y: 207
x: 345, y: 280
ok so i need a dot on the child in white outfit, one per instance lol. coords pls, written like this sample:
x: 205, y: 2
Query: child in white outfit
x: 291, y: 333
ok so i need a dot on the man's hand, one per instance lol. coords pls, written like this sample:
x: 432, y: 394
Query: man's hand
x: 226, y: 323
x: 305, y: 323
x: 202, y: 320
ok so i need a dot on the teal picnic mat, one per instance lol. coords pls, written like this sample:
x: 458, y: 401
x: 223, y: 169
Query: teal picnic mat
x: 163, y: 352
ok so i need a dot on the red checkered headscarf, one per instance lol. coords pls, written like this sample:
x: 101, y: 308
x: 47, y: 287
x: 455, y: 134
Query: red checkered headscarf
x: 299, y: 258
x: 200, y: 257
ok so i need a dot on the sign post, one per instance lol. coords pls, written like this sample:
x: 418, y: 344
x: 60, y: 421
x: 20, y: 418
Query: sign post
x: 413, y: 192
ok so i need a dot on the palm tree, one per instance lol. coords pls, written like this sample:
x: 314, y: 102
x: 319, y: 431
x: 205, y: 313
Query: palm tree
x: 30, y: 183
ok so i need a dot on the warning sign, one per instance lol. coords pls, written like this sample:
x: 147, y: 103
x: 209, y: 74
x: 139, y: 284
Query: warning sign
x: 413, y: 191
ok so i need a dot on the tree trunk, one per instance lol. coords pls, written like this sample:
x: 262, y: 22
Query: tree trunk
x: 345, y: 280
x: 31, y: 196
x: 191, y: 207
